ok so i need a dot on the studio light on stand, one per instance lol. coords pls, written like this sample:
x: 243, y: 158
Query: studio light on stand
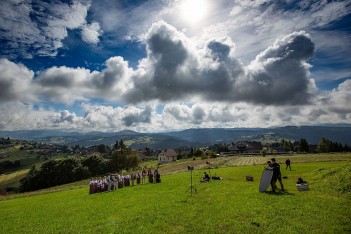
x: 209, y: 166
x: 192, y: 187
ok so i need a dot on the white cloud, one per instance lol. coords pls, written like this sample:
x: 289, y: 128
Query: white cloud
x: 113, y: 81
x: 107, y: 118
x: 16, y: 82
x: 66, y: 116
x: 219, y: 83
x: 18, y: 31
x: 180, y: 112
x: 17, y: 116
x: 91, y: 33
x: 332, y: 107
x: 174, y: 69
x: 324, y: 12
x: 63, y: 84
x: 254, y: 25
x: 30, y: 28
x: 68, y: 85
x: 126, y: 22
x: 340, y: 99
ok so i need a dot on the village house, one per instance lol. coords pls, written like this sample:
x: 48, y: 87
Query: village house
x: 250, y: 147
x: 146, y: 153
x: 166, y: 156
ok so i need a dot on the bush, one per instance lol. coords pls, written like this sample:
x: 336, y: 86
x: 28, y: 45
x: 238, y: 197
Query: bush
x: 53, y: 173
x: 97, y: 165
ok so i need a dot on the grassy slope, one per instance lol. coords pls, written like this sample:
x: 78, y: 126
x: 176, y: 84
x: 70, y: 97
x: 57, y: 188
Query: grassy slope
x: 12, y: 177
x: 232, y: 205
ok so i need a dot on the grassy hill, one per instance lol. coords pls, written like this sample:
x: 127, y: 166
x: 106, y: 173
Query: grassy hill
x: 232, y: 205
x: 28, y: 158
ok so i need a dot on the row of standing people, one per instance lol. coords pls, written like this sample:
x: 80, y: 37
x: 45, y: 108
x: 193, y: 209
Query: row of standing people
x: 117, y: 181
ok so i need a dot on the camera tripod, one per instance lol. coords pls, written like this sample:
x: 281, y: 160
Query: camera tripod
x: 209, y: 167
x: 192, y: 187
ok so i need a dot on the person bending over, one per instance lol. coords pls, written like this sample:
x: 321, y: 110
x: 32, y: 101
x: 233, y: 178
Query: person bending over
x: 206, y: 177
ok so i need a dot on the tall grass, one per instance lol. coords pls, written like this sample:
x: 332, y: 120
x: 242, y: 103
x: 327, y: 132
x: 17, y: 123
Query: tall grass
x: 232, y: 205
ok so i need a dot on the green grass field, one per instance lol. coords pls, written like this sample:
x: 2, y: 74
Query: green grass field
x: 232, y: 205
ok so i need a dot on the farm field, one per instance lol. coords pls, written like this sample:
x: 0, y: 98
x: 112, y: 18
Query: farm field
x: 231, y: 205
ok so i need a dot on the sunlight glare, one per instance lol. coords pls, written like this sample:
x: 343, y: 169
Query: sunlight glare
x: 193, y: 11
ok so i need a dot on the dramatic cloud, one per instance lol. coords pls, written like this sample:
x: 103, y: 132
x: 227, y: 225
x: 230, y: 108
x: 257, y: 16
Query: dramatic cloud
x: 279, y: 75
x: 66, y: 116
x: 255, y: 24
x: 30, y: 28
x: 63, y: 84
x: 165, y: 73
x: 143, y: 116
x: 111, y: 82
x: 332, y: 107
x: 15, y: 82
x: 175, y: 70
x: 247, y: 64
x: 67, y: 85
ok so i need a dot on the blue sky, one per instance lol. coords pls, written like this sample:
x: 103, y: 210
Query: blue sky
x: 163, y: 65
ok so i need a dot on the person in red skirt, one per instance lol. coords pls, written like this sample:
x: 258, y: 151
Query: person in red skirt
x: 120, y: 181
x: 138, y: 177
x: 126, y: 180
x: 151, y: 177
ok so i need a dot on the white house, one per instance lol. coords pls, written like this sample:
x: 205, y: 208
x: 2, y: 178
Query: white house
x: 166, y: 156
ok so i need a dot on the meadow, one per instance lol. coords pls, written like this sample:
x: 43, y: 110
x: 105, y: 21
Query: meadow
x: 231, y: 205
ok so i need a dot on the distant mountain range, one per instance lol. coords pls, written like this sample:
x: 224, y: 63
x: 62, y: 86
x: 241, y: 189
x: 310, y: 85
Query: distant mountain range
x: 187, y: 138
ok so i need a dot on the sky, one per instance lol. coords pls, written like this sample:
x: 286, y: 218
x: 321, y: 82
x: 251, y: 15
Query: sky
x: 164, y: 65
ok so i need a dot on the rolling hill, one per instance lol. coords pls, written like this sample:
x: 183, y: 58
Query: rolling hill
x: 188, y: 137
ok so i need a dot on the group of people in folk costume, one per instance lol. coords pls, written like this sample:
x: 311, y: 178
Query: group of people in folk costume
x: 117, y: 181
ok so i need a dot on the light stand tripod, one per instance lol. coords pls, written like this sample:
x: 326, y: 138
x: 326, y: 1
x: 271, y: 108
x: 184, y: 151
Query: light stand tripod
x: 209, y: 166
x: 192, y: 187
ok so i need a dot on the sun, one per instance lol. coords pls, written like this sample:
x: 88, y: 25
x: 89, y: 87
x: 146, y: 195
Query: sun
x: 193, y: 11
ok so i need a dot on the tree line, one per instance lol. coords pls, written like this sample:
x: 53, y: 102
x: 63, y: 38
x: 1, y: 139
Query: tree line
x: 67, y: 170
x: 327, y: 146
x: 8, y: 165
x: 324, y: 146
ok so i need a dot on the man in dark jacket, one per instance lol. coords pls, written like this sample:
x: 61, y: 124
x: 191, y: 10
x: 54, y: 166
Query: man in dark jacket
x: 287, y: 163
x: 277, y: 175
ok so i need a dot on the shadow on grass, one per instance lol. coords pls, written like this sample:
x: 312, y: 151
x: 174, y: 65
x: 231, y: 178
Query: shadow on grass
x: 279, y: 193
